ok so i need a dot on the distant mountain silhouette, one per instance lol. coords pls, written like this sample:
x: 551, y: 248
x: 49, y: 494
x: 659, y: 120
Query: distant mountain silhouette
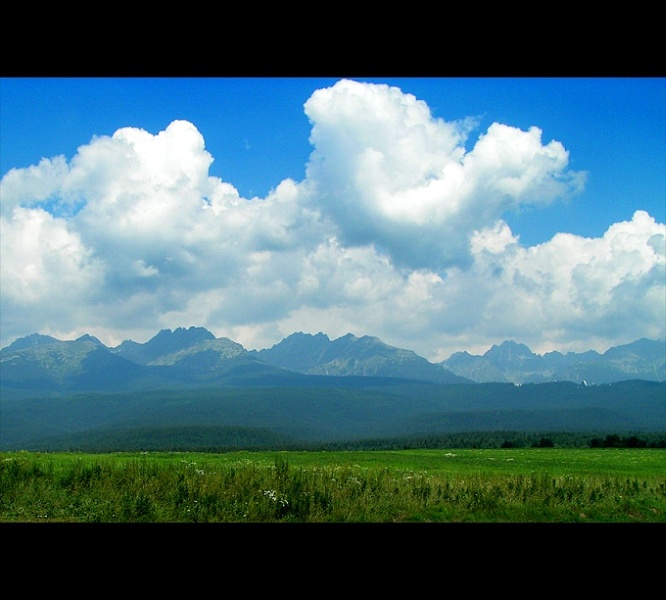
x: 52, y: 364
x: 30, y: 341
x: 194, y: 356
x: 516, y: 363
x: 164, y: 343
x: 351, y: 355
x: 170, y: 359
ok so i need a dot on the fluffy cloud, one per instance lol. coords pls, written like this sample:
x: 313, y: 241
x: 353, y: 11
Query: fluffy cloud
x: 571, y: 290
x: 396, y: 231
x: 387, y: 173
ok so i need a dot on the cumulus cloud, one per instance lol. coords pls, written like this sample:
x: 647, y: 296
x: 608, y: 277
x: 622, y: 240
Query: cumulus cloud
x: 390, y: 174
x: 570, y: 290
x: 396, y: 231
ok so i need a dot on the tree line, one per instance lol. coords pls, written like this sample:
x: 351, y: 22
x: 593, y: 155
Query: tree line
x: 227, y: 439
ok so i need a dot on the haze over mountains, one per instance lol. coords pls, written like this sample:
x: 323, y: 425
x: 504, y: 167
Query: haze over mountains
x: 516, y: 363
x: 510, y: 362
x: 195, y: 356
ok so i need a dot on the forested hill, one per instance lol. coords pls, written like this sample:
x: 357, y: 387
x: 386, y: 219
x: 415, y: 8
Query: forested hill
x: 334, y: 413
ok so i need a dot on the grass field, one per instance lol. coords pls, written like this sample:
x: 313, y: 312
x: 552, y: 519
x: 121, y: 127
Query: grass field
x: 517, y: 485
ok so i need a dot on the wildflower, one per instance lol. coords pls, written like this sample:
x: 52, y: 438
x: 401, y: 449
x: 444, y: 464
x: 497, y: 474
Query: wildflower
x: 273, y: 496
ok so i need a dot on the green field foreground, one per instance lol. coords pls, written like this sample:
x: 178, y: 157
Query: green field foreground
x: 527, y: 485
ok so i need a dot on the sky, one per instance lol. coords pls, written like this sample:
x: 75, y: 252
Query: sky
x: 438, y: 214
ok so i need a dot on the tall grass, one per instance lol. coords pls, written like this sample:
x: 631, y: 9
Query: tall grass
x: 188, y: 490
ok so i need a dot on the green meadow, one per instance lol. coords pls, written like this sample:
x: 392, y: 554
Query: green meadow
x: 527, y: 485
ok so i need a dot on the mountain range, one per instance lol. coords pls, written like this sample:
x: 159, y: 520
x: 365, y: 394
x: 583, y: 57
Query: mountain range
x: 195, y: 357
x: 509, y: 362
x: 189, y: 385
x: 516, y: 363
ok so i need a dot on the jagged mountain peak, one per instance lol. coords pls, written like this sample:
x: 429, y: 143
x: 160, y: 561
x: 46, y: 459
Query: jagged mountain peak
x: 511, y: 361
x: 303, y: 349
x: 89, y: 338
x: 348, y: 336
x: 299, y: 335
x: 509, y: 348
x: 166, y: 342
x: 179, y: 338
x: 352, y: 355
x: 191, y: 334
x: 300, y: 339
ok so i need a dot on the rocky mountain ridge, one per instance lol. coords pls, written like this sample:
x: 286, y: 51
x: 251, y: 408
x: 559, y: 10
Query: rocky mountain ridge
x: 351, y: 355
x: 194, y: 356
x: 516, y: 363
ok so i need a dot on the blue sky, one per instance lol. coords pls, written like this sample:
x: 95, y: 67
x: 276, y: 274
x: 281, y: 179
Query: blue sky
x: 257, y: 132
x: 609, y: 155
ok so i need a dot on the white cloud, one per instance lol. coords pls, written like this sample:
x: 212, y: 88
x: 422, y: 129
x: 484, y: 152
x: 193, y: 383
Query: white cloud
x: 388, y: 173
x: 396, y: 231
x: 562, y: 293
x: 45, y: 260
x: 33, y: 185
